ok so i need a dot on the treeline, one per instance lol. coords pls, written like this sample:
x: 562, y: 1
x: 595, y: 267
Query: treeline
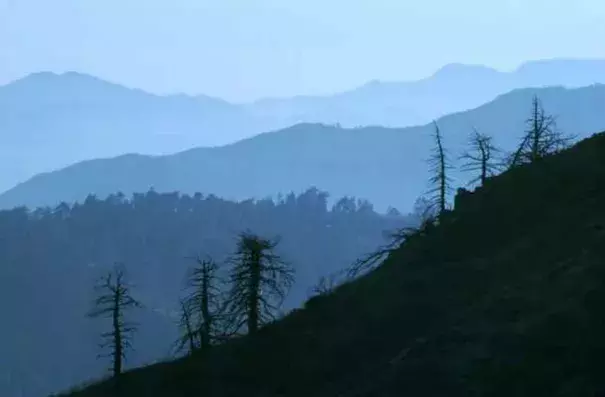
x: 51, y: 258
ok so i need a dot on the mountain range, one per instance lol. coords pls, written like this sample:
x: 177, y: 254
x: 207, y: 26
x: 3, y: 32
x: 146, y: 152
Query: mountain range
x: 74, y: 137
x: 384, y: 165
x: 49, y: 121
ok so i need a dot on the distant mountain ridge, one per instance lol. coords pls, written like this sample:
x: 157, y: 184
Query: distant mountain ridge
x: 48, y: 121
x: 453, y: 88
x: 384, y: 165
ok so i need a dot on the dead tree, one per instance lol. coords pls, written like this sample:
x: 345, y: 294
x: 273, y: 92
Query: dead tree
x: 259, y: 281
x: 326, y: 284
x: 481, y: 157
x: 541, y: 138
x: 204, y: 301
x: 189, y: 335
x: 423, y: 210
x: 425, y: 215
x: 114, y: 298
x: 398, y: 237
x: 438, y: 167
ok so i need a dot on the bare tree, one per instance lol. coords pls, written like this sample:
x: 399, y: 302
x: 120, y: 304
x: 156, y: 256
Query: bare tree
x: 326, y: 284
x: 541, y: 137
x: 423, y: 210
x: 204, y: 300
x: 189, y: 334
x: 439, y: 166
x: 259, y: 282
x: 481, y: 157
x: 113, y: 300
x: 398, y: 237
x: 425, y: 214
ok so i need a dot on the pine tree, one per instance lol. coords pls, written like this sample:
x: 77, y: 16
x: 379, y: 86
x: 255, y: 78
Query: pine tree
x: 438, y: 167
x: 259, y: 282
x: 480, y: 157
x: 189, y: 335
x: 541, y: 137
x: 204, y: 300
x: 113, y: 300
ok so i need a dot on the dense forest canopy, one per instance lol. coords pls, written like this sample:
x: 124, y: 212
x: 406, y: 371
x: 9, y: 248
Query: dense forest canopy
x: 51, y: 258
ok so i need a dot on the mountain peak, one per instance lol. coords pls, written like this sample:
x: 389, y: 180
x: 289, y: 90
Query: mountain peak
x: 71, y: 81
x: 46, y: 77
x: 42, y: 87
x: 460, y: 69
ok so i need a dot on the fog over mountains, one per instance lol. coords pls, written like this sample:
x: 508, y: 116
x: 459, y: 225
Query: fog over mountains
x: 68, y: 136
x: 49, y: 121
x: 384, y: 165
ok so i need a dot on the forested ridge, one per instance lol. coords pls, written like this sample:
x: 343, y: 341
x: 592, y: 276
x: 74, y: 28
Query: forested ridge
x: 52, y: 257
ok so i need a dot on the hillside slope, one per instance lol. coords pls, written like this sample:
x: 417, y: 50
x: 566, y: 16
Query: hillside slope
x: 385, y: 166
x: 504, y: 298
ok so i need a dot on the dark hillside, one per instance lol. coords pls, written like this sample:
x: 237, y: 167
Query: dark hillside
x: 504, y: 298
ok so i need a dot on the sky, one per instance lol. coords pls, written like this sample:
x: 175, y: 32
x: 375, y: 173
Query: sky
x: 242, y: 50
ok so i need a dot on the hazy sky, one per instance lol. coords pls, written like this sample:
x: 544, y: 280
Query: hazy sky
x: 244, y: 49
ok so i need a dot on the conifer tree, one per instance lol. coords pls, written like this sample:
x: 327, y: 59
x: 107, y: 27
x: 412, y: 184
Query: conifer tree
x: 480, y: 157
x: 438, y: 167
x: 189, y: 335
x: 204, y: 301
x: 113, y: 301
x: 542, y: 138
x: 259, y: 281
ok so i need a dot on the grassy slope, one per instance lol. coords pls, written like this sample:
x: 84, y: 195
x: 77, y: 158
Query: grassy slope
x: 506, y: 298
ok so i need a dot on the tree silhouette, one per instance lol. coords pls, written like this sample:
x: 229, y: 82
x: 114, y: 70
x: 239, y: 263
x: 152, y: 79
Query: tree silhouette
x: 438, y: 167
x: 204, y: 300
x: 259, y: 282
x: 424, y: 215
x: 396, y: 239
x: 113, y: 300
x: 423, y: 210
x: 541, y: 137
x: 326, y: 284
x: 480, y: 157
x: 189, y: 335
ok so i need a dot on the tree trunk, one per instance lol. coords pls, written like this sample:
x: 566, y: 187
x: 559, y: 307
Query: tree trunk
x: 206, y: 316
x: 117, y: 335
x: 254, y: 293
